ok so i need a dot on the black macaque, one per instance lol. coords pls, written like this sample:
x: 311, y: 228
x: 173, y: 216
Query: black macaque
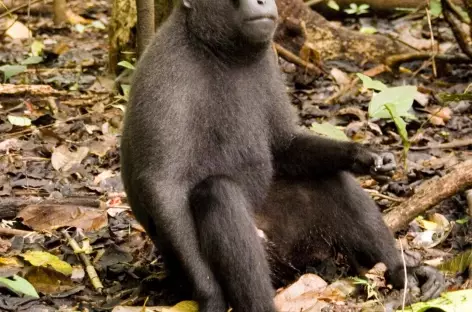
x: 209, y: 138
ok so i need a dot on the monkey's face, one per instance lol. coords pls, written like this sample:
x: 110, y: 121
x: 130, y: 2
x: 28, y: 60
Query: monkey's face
x: 257, y: 19
x: 250, y: 22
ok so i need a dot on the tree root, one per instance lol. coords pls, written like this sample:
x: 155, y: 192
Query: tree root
x: 429, y: 194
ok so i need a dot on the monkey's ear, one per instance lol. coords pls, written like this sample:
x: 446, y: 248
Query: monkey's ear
x: 187, y: 3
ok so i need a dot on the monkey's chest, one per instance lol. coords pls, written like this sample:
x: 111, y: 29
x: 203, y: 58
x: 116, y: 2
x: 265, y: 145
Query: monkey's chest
x: 237, y: 147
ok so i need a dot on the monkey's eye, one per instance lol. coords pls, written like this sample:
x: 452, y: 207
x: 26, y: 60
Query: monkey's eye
x: 235, y: 3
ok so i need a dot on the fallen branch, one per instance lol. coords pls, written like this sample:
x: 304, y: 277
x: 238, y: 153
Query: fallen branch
x: 455, y: 24
x: 429, y: 194
x: 395, y: 61
x: 450, y: 145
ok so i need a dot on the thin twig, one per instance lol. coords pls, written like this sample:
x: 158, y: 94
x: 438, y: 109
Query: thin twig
x: 433, y: 50
x: 405, y: 285
x: 375, y: 193
x: 292, y: 58
x: 449, y: 145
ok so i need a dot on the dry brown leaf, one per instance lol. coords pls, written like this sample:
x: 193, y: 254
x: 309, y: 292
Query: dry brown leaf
x: 340, y: 77
x: 64, y: 159
x: 76, y: 19
x: 301, y: 295
x: 50, y: 217
x: 48, y: 281
x: 376, y: 275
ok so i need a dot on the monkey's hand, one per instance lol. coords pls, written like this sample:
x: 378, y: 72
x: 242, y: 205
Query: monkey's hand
x: 428, y: 280
x: 424, y: 283
x: 380, y: 165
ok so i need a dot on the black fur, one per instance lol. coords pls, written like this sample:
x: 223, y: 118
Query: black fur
x: 207, y: 130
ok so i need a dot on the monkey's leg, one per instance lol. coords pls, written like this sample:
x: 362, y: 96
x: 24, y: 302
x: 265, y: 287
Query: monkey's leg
x: 229, y: 241
x: 174, y: 231
x: 362, y: 235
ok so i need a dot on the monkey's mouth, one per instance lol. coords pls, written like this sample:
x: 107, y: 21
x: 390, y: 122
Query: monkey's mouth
x: 261, y: 18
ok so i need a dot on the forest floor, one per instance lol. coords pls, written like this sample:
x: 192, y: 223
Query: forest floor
x: 60, y: 123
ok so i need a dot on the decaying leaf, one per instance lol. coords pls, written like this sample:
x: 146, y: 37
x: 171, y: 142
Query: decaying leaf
x: 64, y: 159
x: 48, y: 281
x: 301, y: 295
x: 50, y: 217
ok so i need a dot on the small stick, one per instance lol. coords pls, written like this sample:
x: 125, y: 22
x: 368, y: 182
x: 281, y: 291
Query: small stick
x: 450, y: 145
x: 395, y: 60
x: 289, y: 56
x: 433, y: 50
x: 89, y: 268
x: 14, y: 232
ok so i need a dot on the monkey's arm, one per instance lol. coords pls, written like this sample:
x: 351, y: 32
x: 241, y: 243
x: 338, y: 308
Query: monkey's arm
x: 301, y: 153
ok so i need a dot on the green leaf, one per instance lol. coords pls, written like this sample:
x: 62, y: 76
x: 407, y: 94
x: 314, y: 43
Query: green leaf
x: 19, y: 285
x: 370, y: 83
x: 19, y: 121
x: 32, y: 60
x: 333, y: 5
x: 369, y: 30
x: 47, y: 260
x: 400, y: 97
x: 37, y: 48
x: 11, y: 70
x: 352, y: 9
x: 462, y: 221
x: 126, y: 64
x: 327, y: 129
x: 435, y: 7
x: 126, y: 88
x: 399, y: 123
x: 453, y: 301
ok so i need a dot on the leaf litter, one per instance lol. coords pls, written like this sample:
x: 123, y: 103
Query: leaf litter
x: 59, y: 149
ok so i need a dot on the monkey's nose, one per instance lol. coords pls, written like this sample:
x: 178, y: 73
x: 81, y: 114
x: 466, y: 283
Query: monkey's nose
x: 261, y: 2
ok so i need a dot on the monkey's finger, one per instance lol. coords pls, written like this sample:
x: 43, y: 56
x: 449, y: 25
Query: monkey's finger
x: 383, y: 178
x: 387, y: 167
x: 434, y: 291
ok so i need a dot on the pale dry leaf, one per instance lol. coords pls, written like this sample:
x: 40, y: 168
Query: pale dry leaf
x: 50, y: 217
x: 301, y: 295
x: 64, y: 159
x: 17, y: 30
